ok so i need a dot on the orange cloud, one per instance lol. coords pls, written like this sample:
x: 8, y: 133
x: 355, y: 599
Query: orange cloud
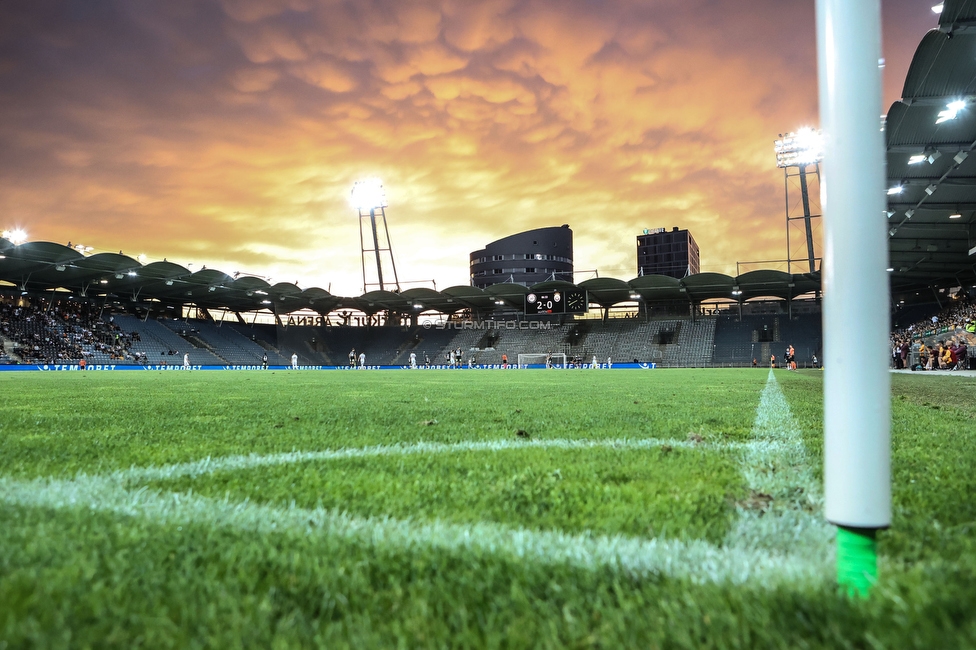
x: 232, y: 139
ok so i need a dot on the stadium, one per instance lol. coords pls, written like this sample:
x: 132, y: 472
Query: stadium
x: 201, y: 458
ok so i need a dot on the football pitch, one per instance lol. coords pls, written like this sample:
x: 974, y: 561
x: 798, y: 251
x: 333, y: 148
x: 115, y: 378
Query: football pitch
x: 529, y: 509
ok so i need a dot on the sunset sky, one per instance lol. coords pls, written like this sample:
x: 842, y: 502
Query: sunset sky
x: 229, y: 133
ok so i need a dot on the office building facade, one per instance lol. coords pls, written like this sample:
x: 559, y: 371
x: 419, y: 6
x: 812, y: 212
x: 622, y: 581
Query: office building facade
x: 525, y: 258
x: 663, y: 252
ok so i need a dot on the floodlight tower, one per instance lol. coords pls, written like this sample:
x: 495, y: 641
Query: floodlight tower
x: 795, y: 154
x: 369, y: 199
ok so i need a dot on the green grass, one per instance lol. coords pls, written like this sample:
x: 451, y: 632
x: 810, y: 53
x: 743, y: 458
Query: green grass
x: 62, y: 423
x: 74, y: 577
x: 680, y: 493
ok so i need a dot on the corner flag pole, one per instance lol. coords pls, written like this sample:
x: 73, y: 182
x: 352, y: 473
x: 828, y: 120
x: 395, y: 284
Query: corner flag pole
x: 857, y: 399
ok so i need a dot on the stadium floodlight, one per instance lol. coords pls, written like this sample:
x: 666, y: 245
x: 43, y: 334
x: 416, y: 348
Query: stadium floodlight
x: 15, y: 236
x: 897, y: 189
x: 890, y: 270
x: 131, y: 274
x: 103, y: 281
x: 635, y: 296
x: 909, y: 214
x: 799, y: 149
x: 937, y: 9
x: 955, y: 216
x: 960, y: 157
x: 60, y: 267
x: 265, y: 302
x: 169, y: 283
x: 951, y: 111
x: 917, y: 158
x: 930, y: 190
x: 368, y: 194
x: 119, y: 276
x: 369, y: 200
x: 935, y: 155
x: 736, y: 291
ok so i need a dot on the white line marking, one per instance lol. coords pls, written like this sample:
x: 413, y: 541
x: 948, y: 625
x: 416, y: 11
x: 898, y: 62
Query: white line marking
x: 697, y: 561
x: 236, y: 463
x: 777, y: 466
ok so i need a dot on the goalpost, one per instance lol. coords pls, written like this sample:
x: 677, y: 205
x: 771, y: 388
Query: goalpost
x: 558, y: 359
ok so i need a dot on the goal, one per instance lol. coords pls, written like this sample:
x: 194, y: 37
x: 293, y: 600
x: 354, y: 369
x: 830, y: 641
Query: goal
x: 538, y: 360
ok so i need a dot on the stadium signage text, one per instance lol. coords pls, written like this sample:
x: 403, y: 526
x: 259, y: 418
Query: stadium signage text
x: 121, y: 367
x: 306, y: 321
x: 490, y: 325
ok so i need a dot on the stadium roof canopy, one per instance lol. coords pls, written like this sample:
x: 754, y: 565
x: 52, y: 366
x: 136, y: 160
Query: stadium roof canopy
x: 930, y: 157
x: 45, y: 266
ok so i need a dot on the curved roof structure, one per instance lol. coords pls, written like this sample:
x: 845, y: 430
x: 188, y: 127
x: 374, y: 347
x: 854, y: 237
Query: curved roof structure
x: 41, y: 266
x: 932, y: 220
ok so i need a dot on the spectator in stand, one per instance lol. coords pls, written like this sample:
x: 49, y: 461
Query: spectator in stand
x: 945, y: 356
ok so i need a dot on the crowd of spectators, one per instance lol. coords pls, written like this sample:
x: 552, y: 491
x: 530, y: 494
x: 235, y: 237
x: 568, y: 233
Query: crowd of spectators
x: 62, y: 331
x: 940, y: 342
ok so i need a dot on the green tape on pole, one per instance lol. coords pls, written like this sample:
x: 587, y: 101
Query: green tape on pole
x: 857, y: 560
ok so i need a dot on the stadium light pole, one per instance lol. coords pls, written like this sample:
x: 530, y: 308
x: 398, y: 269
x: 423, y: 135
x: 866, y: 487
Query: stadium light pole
x: 800, y: 149
x: 367, y: 198
x: 857, y: 390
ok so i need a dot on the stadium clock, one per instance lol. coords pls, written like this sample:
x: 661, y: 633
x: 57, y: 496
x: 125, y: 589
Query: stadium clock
x: 576, y: 302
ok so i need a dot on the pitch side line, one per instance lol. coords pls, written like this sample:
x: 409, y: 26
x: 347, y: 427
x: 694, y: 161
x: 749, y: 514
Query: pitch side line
x: 787, y: 501
x: 697, y: 561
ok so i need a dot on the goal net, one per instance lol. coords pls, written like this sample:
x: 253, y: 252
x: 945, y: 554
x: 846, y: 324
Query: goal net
x: 538, y: 360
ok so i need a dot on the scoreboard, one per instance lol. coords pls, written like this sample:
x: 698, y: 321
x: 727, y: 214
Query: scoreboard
x: 569, y: 301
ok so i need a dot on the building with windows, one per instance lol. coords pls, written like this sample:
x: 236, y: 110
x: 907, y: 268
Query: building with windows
x: 673, y: 253
x: 525, y: 258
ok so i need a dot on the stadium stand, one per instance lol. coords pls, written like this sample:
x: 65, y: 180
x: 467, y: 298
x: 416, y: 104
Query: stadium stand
x: 740, y: 340
x: 227, y: 343
x: 62, y: 331
x: 66, y: 330
x: 161, y: 345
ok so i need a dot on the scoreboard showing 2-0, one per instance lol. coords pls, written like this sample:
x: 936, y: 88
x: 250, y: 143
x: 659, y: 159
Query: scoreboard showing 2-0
x: 571, y: 301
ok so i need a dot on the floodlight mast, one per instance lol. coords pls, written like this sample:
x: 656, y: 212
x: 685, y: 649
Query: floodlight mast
x: 800, y: 150
x: 368, y: 197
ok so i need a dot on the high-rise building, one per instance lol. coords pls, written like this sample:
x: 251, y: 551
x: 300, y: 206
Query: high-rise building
x: 674, y: 253
x: 525, y: 258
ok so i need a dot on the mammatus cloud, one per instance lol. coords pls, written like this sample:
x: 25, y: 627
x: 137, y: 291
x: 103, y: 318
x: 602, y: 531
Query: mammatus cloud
x: 229, y: 133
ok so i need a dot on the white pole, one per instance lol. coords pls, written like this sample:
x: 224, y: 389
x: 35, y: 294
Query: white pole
x: 857, y: 409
